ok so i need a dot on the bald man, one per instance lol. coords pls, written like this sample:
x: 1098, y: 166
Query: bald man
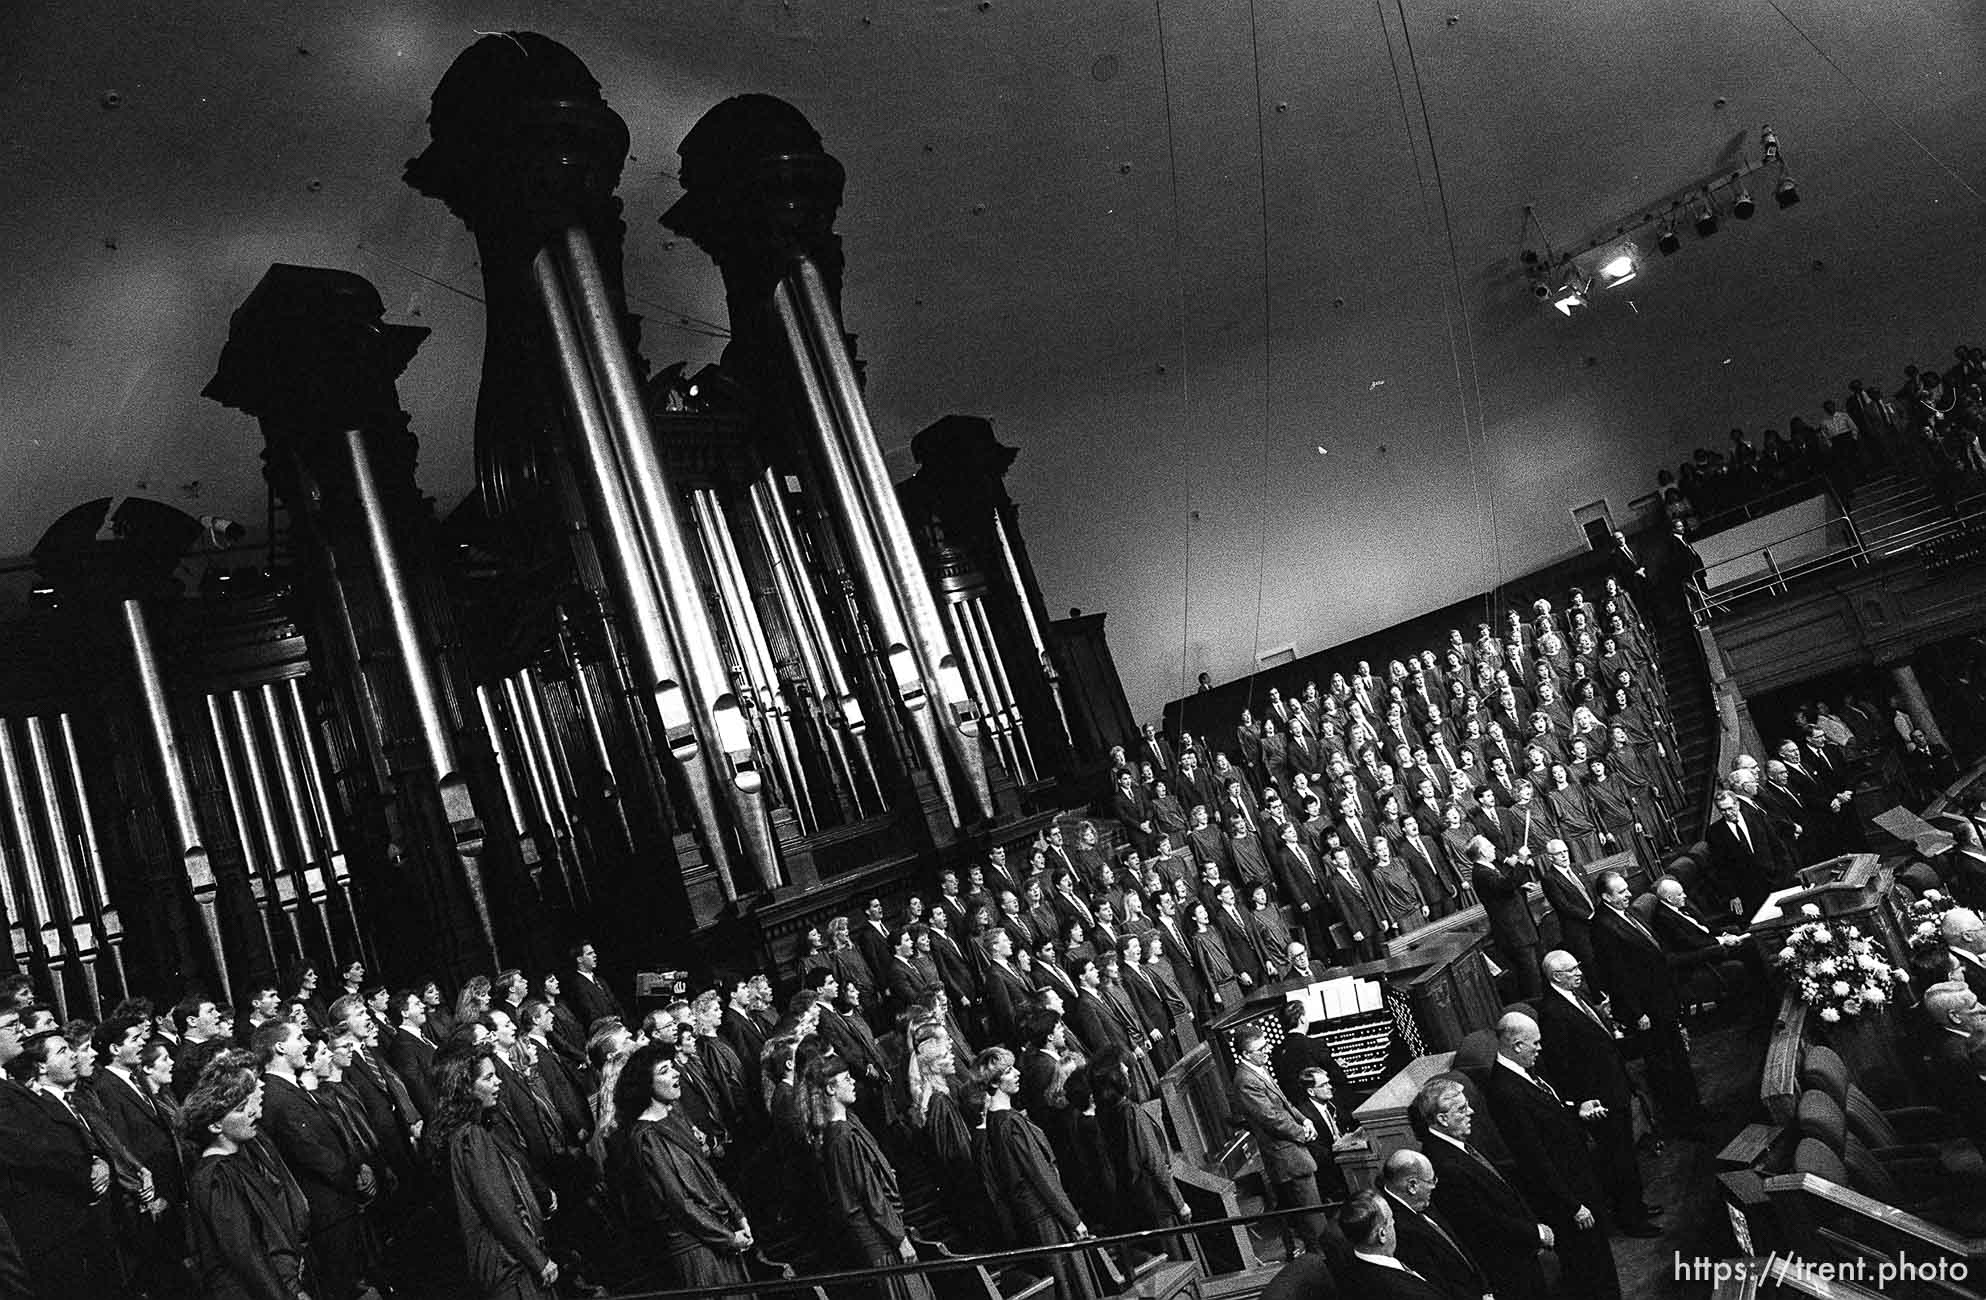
x: 1424, y: 1240
x: 1581, y: 1056
x: 1547, y: 1139
x: 1965, y: 935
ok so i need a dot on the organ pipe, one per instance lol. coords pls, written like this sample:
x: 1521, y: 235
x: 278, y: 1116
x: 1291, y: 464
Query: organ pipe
x: 21, y: 816
x: 856, y: 439
x: 317, y: 779
x: 507, y: 775
x: 75, y: 904
x: 1012, y: 560
x: 183, y: 825
x: 312, y: 851
x: 256, y: 870
x: 981, y: 622
x: 113, y: 924
x: 261, y: 802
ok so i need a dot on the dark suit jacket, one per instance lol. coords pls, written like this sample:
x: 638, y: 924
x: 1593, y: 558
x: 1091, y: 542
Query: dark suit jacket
x: 1277, y: 1126
x: 956, y: 971
x: 1354, y: 906
x: 45, y: 1194
x: 1501, y: 890
x: 413, y: 1058
x: 1180, y: 956
x: 1687, y: 938
x: 590, y: 1001
x: 1241, y: 949
x: 1574, y: 907
x: 1377, y: 1282
x: 308, y: 1139
x: 1444, y: 1263
x: 145, y: 1130
x: 1547, y: 1146
x: 1007, y: 998
x: 1580, y: 1058
x: 1633, y: 970
x: 1490, y: 1217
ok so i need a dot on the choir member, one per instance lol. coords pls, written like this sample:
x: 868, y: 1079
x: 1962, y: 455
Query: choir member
x: 500, y: 1207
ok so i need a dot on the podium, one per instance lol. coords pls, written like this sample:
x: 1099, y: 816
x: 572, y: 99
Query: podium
x: 1854, y: 889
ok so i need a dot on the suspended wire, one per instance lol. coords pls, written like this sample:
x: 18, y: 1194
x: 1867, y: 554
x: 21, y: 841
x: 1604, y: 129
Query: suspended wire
x: 1879, y: 106
x: 1262, y: 181
x: 1485, y: 493
x: 1185, y: 397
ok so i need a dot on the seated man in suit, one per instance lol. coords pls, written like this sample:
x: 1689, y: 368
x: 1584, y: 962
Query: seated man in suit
x: 1695, y: 942
x: 1374, y: 1272
x: 1965, y: 935
x: 1425, y: 1241
x: 1956, y: 1021
x: 1317, y: 1102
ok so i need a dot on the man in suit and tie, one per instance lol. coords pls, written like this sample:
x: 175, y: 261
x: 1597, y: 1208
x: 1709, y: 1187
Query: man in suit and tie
x: 1785, y: 816
x: 1426, y: 1242
x: 1582, y: 1058
x: 1513, y: 931
x: 411, y: 1052
x: 1007, y: 990
x: 1351, y: 899
x: 592, y: 1001
x: 55, y: 1174
x: 1955, y: 1019
x: 1282, y: 1136
x: 1375, y: 1272
x: 1632, y: 968
x: 1572, y: 902
x: 950, y: 902
x: 1303, y: 884
x: 1355, y: 832
x: 1428, y: 863
x: 1743, y: 865
x: 1154, y: 750
x: 1488, y: 1214
x: 1170, y: 936
x: 1695, y: 942
x: 1544, y: 1132
x: 1316, y: 1099
x: 1965, y: 936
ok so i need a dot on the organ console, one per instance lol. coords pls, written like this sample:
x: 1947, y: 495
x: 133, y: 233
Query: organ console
x: 686, y: 667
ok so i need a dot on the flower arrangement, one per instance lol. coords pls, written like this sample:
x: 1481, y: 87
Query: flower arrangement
x: 1923, y: 922
x: 1840, y: 971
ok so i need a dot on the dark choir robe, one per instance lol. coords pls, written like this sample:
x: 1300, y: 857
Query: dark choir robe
x: 1098, y: 1023
x: 1613, y: 807
x: 1023, y: 1180
x: 682, y: 1213
x: 1207, y: 844
x: 850, y: 966
x: 1215, y: 968
x: 1141, y: 1168
x: 1246, y: 863
x: 862, y: 1195
x: 312, y: 1143
x: 1242, y: 951
x: 727, y: 1075
x: 1578, y: 824
x: 249, y: 1224
x: 523, y: 1099
x: 568, y: 1036
x: 567, y: 1092
x: 500, y: 1210
x: 388, y: 1106
x: 853, y: 1043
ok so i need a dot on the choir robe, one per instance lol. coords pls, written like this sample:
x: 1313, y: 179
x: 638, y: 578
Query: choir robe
x: 1577, y: 825
x: 680, y: 1210
x: 1141, y: 1162
x: 1023, y: 1179
x: 862, y: 1190
x: 1207, y: 844
x: 1158, y: 1008
x: 941, y: 1150
x: 1613, y: 807
x: 500, y: 1210
x: 1098, y: 1023
x: 1216, y: 971
x: 249, y: 1225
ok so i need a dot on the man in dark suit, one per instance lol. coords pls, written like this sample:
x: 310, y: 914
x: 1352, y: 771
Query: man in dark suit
x: 1745, y: 863
x: 1427, y: 861
x: 1965, y: 936
x: 1153, y: 749
x: 1351, y: 899
x: 411, y: 1052
x: 1548, y: 1147
x: 1007, y: 991
x: 1488, y: 1213
x: 1232, y: 926
x: 54, y: 1173
x: 957, y: 970
x: 1500, y: 886
x: 1956, y: 1021
x: 1425, y: 1241
x: 1572, y: 902
x: 1300, y: 874
x: 1374, y: 1272
x: 333, y: 1181
x: 872, y: 937
x: 1170, y: 935
x: 1581, y: 1057
x: 591, y: 1000
x: 1695, y: 942
x: 1632, y: 968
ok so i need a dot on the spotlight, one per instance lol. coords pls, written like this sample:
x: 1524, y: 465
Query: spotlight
x: 1786, y: 193
x: 1769, y: 142
x: 1742, y: 206
x: 1618, y: 269
x: 1669, y: 241
x: 1571, y: 293
x: 1706, y: 218
x: 1541, y: 288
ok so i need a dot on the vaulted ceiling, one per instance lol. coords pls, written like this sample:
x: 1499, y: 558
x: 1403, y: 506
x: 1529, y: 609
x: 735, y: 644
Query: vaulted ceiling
x: 1240, y: 279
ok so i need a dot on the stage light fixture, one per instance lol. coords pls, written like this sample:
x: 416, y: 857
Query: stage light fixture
x: 1742, y: 206
x: 1706, y: 217
x: 1668, y: 241
x: 1618, y: 269
x: 1786, y: 193
x: 1571, y: 292
x: 1769, y: 142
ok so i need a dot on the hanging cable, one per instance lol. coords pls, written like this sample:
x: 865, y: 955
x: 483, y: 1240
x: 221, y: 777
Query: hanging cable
x: 1262, y: 181
x: 1185, y: 400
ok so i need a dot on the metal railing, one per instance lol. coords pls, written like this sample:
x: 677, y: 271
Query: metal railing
x: 991, y: 1261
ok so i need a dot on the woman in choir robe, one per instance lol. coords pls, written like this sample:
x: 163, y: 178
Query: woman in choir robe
x: 1395, y: 895
x: 1140, y: 1158
x: 1168, y: 818
x: 939, y: 1137
x: 1211, y: 962
x: 1578, y: 825
x: 1268, y: 932
x: 813, y: 952
x: 684, y: 1218
x: 1275, y: 756
x: 862, y: 1197
x: 439, y: 1019
x: 247, y: 1220
x: 300, y: 988
x: 473, y: 1000
x: 1021, y: 1175
x: 499, y: 1206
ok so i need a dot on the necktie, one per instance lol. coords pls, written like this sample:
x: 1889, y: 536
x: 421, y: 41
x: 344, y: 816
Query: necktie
x: 1591, y: 1014
x: 1330, y: 1120
x: 1546, y: 1088
x: 1744, y: 833
x: 1639, y: 928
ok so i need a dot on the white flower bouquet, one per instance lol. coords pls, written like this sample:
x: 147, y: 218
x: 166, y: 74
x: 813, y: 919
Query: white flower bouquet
x: 1838, y: 970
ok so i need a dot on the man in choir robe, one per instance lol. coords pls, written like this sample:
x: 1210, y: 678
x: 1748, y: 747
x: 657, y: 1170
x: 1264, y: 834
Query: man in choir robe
x: 1249, y: 967
x: 411, y: 1052
x: 1489, y: 1214
x: 1581, y: 1057
x: 1303, y: 885
x: 1527, y: 824
x: 1552, y: 1165
x: 1171, y: 940
x: 1426, y: 1242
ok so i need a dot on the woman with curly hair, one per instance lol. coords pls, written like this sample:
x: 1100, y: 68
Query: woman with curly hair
x: 247, y: 1220
x: 864, y: 1206
x: 473, y: 1000
x: 300, y: 989
x: 499, y: 1206
x: 684, y: 1219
